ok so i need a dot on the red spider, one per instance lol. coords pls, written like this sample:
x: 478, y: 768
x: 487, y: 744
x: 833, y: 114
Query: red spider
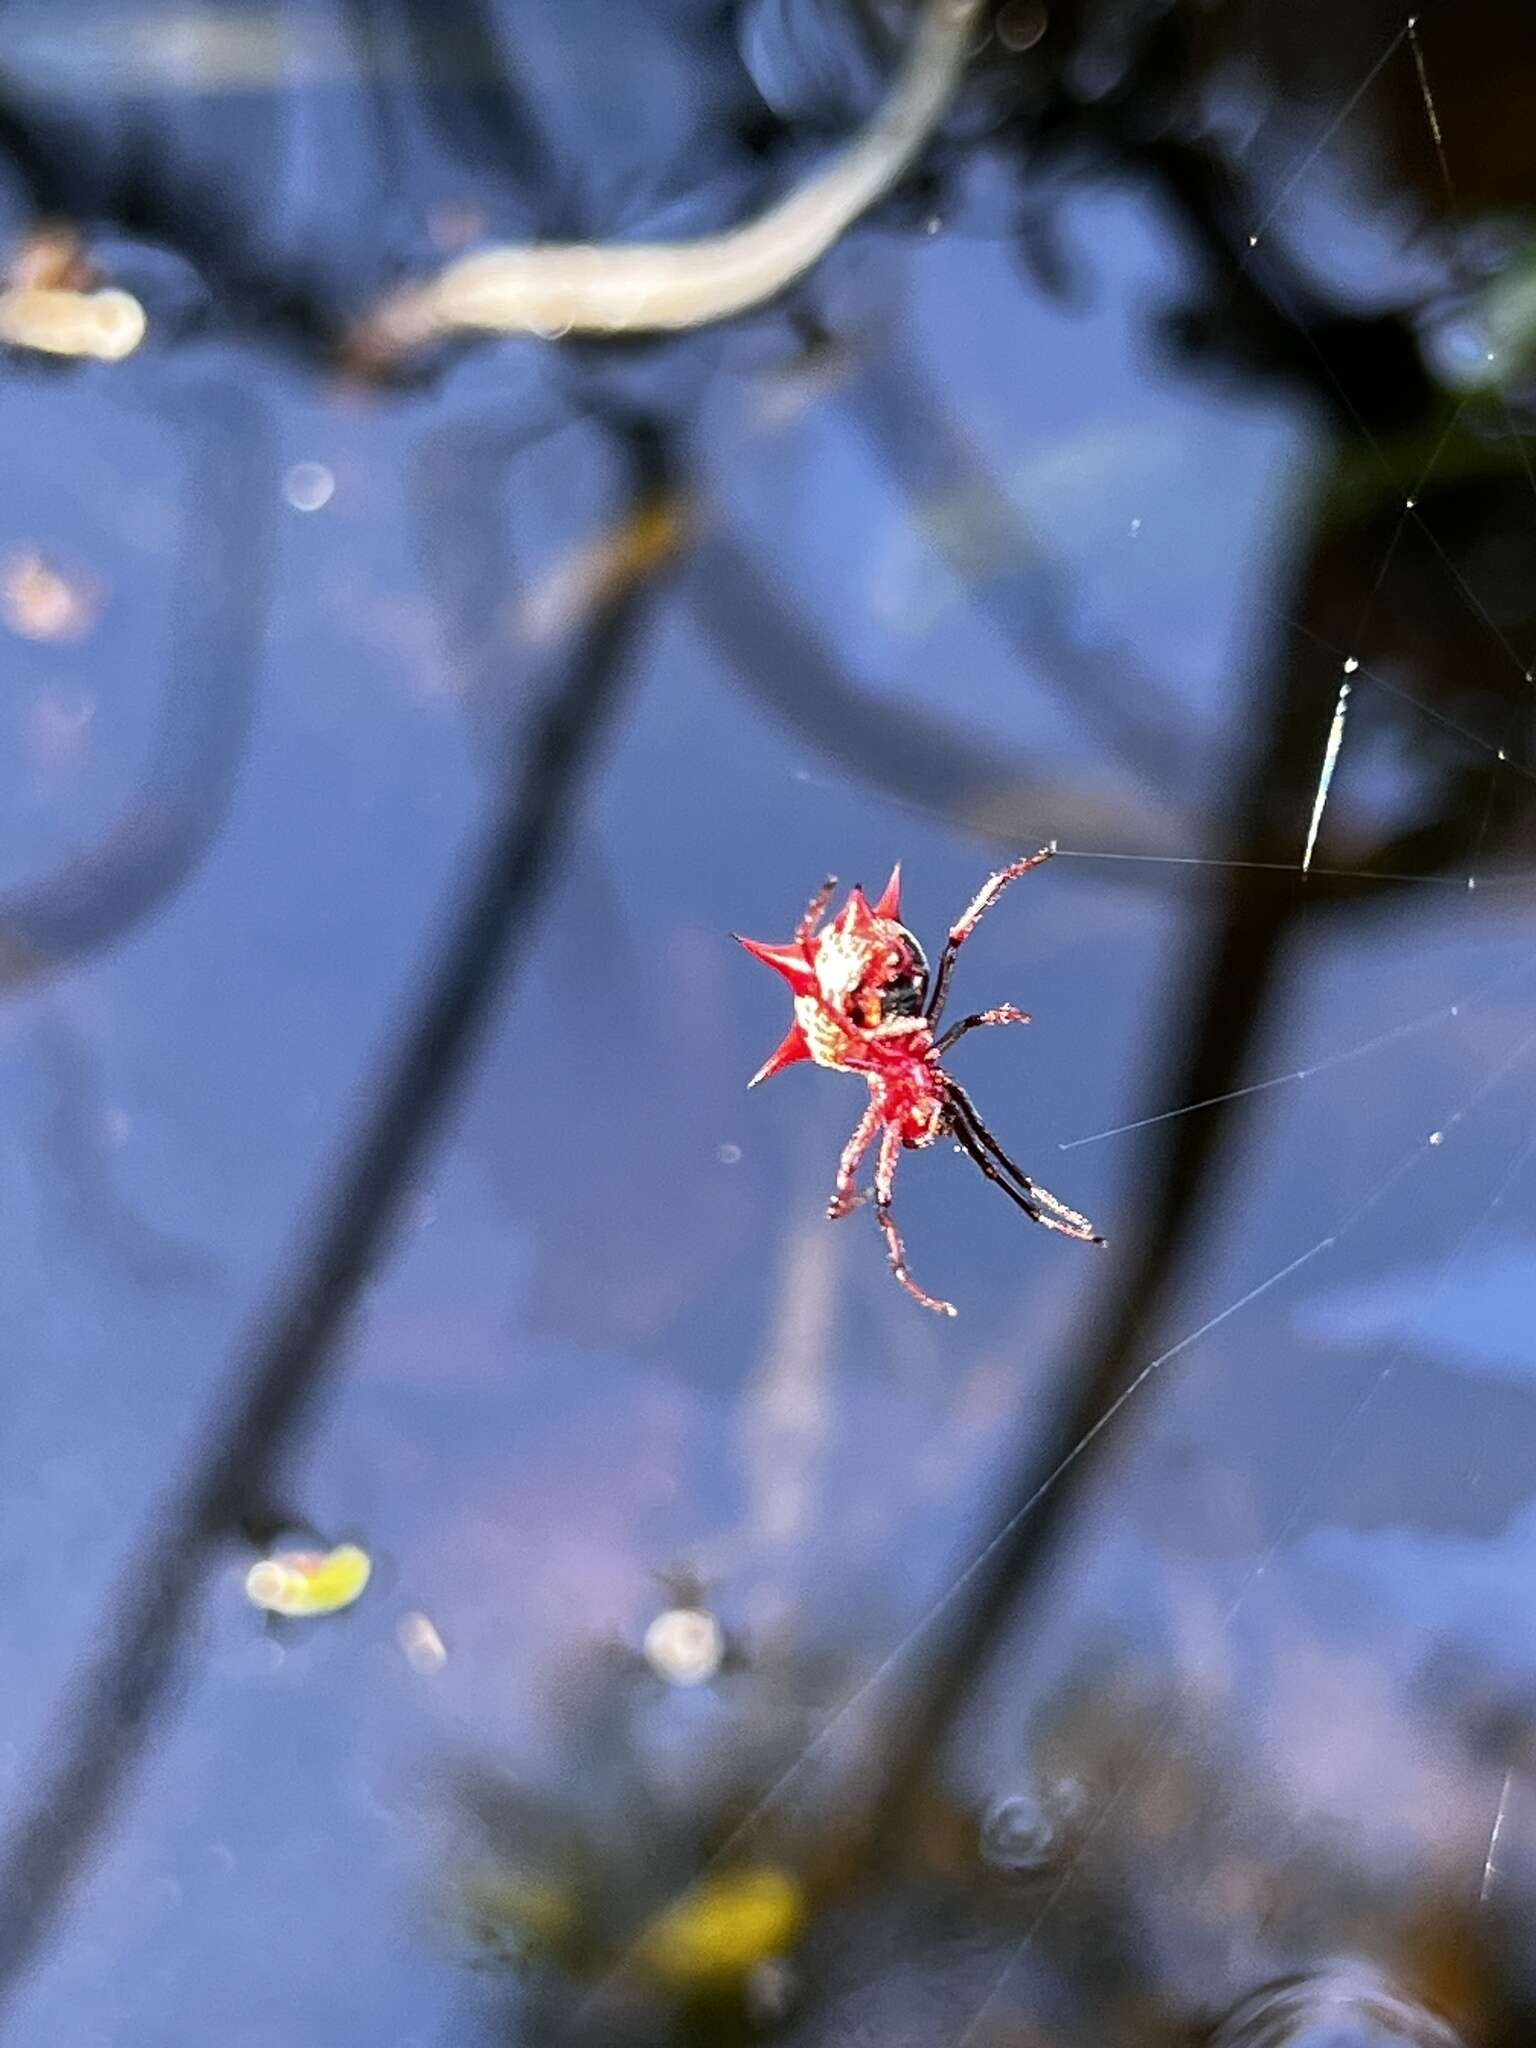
x: 859, y: 985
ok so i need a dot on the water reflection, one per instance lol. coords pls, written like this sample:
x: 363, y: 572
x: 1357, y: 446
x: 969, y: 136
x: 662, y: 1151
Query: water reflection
x: 1149, y: 470
x: 640, y: 1893
x: 1024, y: 1832
x: 1346, y: 2005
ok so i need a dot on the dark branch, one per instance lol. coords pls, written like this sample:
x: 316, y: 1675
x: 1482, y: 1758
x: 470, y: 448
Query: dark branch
x: 219, y: 605
x: 284, y: 1363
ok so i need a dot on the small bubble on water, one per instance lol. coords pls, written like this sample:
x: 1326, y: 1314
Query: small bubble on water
x: 421, y: 1644
x: 308, y: 486
x: 729, y: 1155
x: 685, y: 1646
x: 1017, y: 1833
x: 1021, y: 24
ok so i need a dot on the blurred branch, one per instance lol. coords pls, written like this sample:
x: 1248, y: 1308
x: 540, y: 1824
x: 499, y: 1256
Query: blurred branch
x: 772, y: 651
x: 1206, y: 1050
x: 284, y: 1362
x: 425, y: 63
x: 218, y: 611
x: 479, y: 104
x: 75, y: 1154
x: 1264, y: 316
x: 1006, y: 573
x: 776, y: 654
x: 555, y: 289
x: 469, y: 562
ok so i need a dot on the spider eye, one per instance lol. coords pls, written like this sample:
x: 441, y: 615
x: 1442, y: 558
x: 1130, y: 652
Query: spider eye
x: 907, y: 990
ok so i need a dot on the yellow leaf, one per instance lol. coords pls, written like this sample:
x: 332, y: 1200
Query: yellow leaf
x: 721, y: 1928
x: 298, y: 1582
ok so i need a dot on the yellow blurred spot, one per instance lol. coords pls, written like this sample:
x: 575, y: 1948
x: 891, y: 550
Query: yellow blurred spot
x: 598, y: 570
x: 298, y: 1582
x: 718, y: 1932
x: 107, y: 324
x: 422, y: 1644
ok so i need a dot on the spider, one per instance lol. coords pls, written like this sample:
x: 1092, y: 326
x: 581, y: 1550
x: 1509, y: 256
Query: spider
x: 860, y: 984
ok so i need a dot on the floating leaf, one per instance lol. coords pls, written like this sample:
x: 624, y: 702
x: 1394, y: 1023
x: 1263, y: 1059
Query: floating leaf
x: 722, y: 1928
x: 298, y: 1582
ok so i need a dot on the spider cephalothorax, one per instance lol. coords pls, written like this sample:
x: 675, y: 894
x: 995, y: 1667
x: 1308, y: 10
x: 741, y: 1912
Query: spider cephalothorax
x: 863, y: 1003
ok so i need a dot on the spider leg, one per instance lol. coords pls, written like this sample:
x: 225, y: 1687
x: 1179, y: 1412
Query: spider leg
x: 1004, y: 1014
x: 895, y: 1251
x: 1038, y: 1203
x: 805, y: 929
x: 980, y: 904
x: 845, y: 1197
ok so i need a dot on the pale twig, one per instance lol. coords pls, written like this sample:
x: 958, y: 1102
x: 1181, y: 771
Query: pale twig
x: 560, y: 288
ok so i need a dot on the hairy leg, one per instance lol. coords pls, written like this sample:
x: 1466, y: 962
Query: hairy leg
x: 1005, y: 1013
x: 1038, y: 1203
x: 979, y: 905
x: 845, y: 1196
x: 805, y: 929
x: 895, y: 1251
